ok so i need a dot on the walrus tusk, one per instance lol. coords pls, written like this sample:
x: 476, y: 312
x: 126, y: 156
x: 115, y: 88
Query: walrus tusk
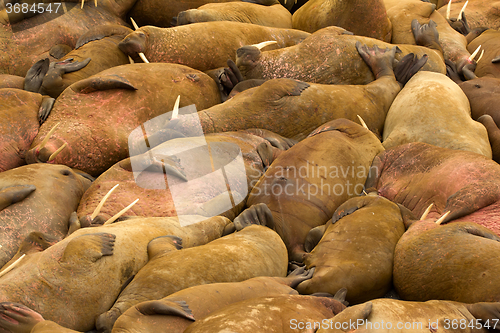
x: 424, y: 215
x: 101, y: 203
x: 82, y: 4
x: 130, y: 60
x: 460, y: 15
x: 473, y: 55
x: 482, y: 53
x: 120, y: 213
x: 175, y: 111
x: 448, y: 10
x: 54, y: 154
x: 260, y: 46
x: 143, y: 57
x: 441, y: 219
x: 47, y: 137
x: 14, y: 264
x: 134, y: 24
x: 362, y: 122
x: 95, y: 3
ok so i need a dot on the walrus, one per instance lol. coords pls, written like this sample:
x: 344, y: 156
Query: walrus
x: 455, y: 261
x: 37, y: 198
x: 61, y: 281
x: 356, y: 250
x: 489, y: 65
x: 362, y: 18
x: 480, y: 13
x: 418, y: 174
x: 204, y: 45
x: 284, y: 313
x: 269, y: 13
x: 419, y: 114
x: 304, y: 186
x: 96, y: 50
x: 254, y: 251
x: 22, y: 112
x: 309, y: 105
x: 328, y: 56
x: 11, y: 81
x: 87, y: 112
x: 493, y: 135
x: 202, y: 301
x: 435, y: 316
x: 195, y: 186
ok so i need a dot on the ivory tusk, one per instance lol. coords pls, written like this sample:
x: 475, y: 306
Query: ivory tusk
x: 130, y: 60
x: 260, y: 46
x: 82, y: 4
x: 473, y: 55
x: 134, y: 24
x: 175, y: 111
x: 482, y: 53
x: 362, y: 122
x: 101, y: 203
x: 448, y: 10
x: 54, y: 154
x: 120, y: 213
x: 143, y: 57
x: 424, y: 215
x: 47, y: 137
x: 11, y: 267
x: 460, y: 15
x: 441, y: 219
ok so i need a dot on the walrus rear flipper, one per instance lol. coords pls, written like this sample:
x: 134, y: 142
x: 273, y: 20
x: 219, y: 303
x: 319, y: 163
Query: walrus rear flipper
x: 35, y: 75
x: 91, y: 247
x: 299, y: 275
x: 163, y: 244
x: 12, y: 194
x: 408, y: 66
x: 176, y: 308
x: 313, y: 237
x: 258, y: 214
x: 16, y: 317
x: 45, y: 108
x: 426, y: 35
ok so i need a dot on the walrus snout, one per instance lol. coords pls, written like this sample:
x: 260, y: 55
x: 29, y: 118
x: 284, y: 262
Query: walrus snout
x: 49, y: 153
x: 247, y: 55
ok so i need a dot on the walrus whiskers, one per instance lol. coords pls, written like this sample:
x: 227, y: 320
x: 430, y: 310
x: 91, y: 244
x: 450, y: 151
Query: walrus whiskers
x: 448, y: 10
x: 362, y: 122
x: 175, y: 111
x: 473, y: 55
x: 424, y: 215
x: 460, y: 15
x: 47, y: 137
x: 101, y: 203
x: 120, y: 213
x: 260, y: 46
x: 11, y: 266
x: 441, y: 219
x: 142, y: 55
x: 54, y: 154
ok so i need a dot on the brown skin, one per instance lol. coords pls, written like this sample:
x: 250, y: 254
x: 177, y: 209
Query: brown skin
x: 254, y: 251
x: 417, y: 174
x: 46, y: 208
x: 205, y: 45
x: 482, y: 94
x: 453, y: 262
x: 493, y: 135
x: 410, y: 119
x: 479, y: 13
x: 158, y: 201
x: 489, y: 41
x: 72, y: 273
x: 260, y: 315
x: 202, y: 301
x: 21, y: 113
x: 359, y: 17
x: 325, y: 170
x: 432, y: 316
x: 97, y: 143
x: 274, y: 15
x: 327, y: 57
x: 11, y: 81
x: 357, y: 250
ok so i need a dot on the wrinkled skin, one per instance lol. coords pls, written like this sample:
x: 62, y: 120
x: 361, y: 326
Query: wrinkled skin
x: 479, y: 13
x: 20, y: 124
x: 305, y: 185
x: 47, y: 209
x: 362, y: 18
x: 202, y: 300
x: 193, y: 45
x: 89, y: 110
x: 259, y: 314
x: 11, y: 81
x: 253, y: 251
x: 155, y: 196
x: 327, y: 56
x: 418, y: 174
x: 490, y: 43
x: 419, y: 113
x: 456, y: 262
x: 271, y: 15
x: 432, y: 316
x: 356, y: 250
x: 72, y: 273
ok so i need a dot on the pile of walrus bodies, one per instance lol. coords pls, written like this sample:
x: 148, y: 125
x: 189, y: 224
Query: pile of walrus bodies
x: 320, y: 166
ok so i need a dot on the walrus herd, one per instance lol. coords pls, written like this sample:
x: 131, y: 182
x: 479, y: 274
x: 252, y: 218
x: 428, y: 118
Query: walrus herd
x: 222, y: 166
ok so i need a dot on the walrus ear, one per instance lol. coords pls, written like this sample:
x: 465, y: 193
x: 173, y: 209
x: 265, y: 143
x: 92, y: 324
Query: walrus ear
x: 166, y: 308
x: 35, y: 75
x: 163, y: 244
x: 92, y: 84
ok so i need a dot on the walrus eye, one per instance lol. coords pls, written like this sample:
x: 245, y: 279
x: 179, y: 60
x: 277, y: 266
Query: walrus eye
x: 477, y: 86
x: 65, y: 172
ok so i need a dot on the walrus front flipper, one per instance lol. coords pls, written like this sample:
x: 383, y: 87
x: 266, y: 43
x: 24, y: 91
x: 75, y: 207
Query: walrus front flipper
x: 92, y: 84
x: 45, y: 108
x: 258, y: 214
x: 313, y: 237
x: 91, y: 247
x: 379, y: 60
x: 163, y: 244
x: 426, y: 35
x: 176, y: 308
x: 493, y: 135
x: 460, y: 25
x: 299, y: 275
x: 245, y: 85
x: 60, y: 50
x: 15, y: 317
x: 408, y: 66
x: 35, y: 75
x: 13, y: 194
x: 485, y: 311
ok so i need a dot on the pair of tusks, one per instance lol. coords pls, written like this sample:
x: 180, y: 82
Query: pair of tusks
x: 143, y: 57
x: 117, y: 215
x: 473, y: 55
x: 440, y: 220
x: 46, y: 139
x: 460, y: 15
x: 83, y: 1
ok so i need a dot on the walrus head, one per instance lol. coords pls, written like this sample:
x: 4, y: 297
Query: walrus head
x: 134, y: 43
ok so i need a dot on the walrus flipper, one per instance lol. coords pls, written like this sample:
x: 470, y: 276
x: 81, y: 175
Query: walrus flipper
x: 175, y: 308
x: 426, y: 35
x: 16, y: 317
x: 164, y: 244
x: 45, y: 108
x: 408, y: 66
x: 313, y: 237
x: 100, y: 32
x: 35, y: 75
x: 299, y: 275
x: 92, y: 84
x: 485, y: 311
x: 12, y: 194
x: 263, y: 2
x: 60, y: 50
x: 258, y: 214
x: 481, y: 232
x: 91, y: 247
